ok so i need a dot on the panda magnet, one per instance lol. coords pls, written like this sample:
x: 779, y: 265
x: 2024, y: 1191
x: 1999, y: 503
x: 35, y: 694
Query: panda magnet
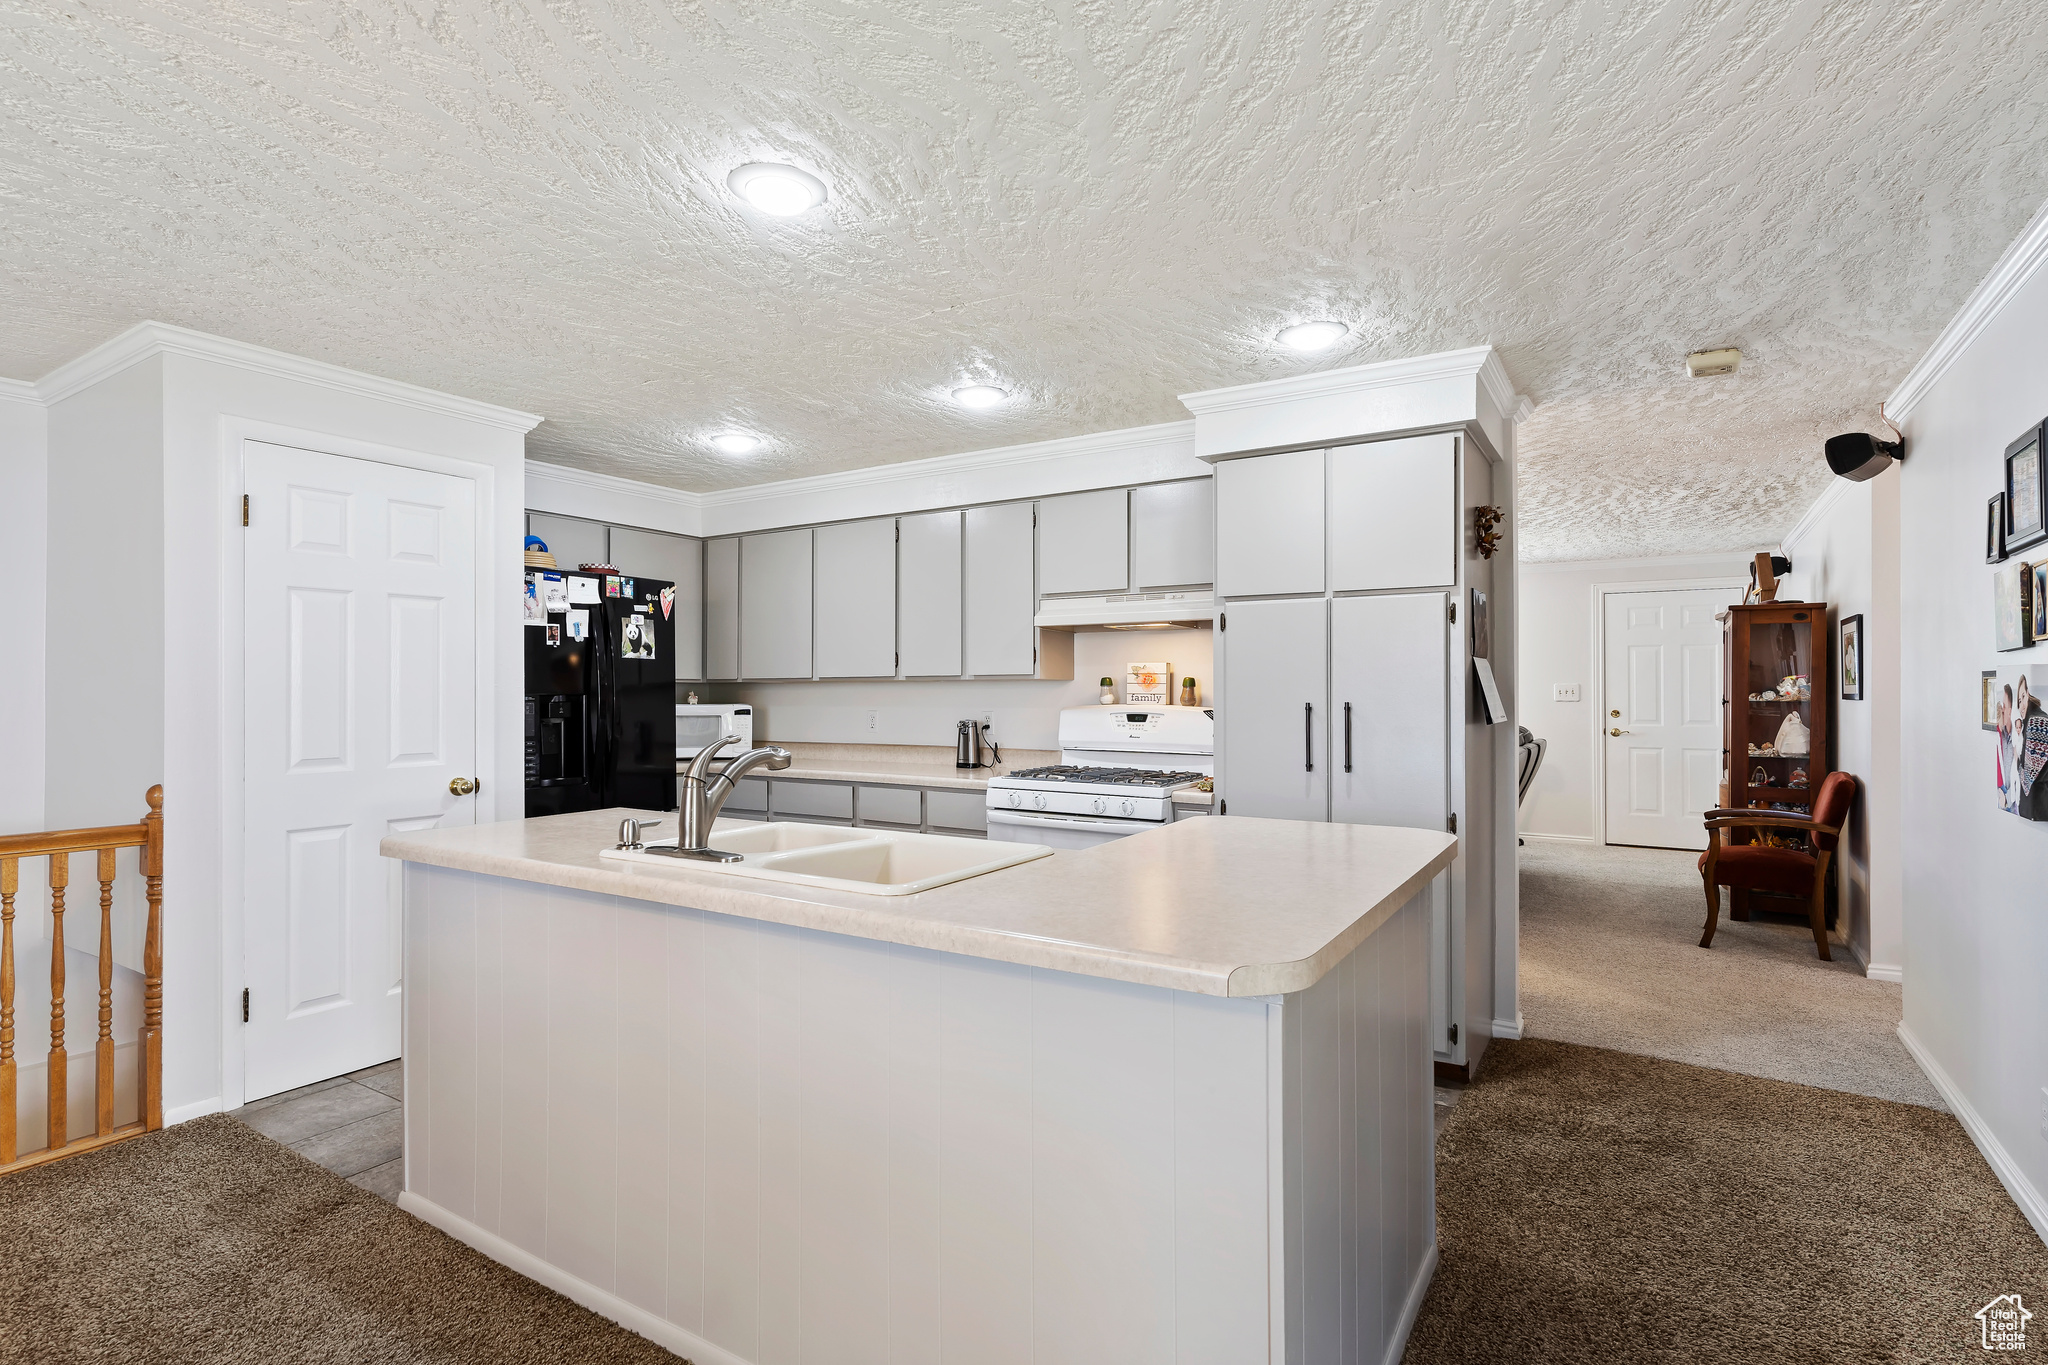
x: 636, y: 638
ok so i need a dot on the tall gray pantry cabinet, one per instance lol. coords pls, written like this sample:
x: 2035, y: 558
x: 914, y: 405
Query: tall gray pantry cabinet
x: 1344, y: 584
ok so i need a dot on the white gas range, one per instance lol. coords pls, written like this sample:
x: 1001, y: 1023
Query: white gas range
x: 1119, y: 768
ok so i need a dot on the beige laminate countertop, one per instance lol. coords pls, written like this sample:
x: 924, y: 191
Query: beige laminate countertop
x: 1233, y: 906
x: 914, y: 765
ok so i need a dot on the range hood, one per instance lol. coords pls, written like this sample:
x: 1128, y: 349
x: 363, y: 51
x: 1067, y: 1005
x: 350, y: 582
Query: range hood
x: 1183, y: 607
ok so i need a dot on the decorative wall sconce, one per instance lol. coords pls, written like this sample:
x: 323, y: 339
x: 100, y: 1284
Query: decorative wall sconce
x: 1484, y: 520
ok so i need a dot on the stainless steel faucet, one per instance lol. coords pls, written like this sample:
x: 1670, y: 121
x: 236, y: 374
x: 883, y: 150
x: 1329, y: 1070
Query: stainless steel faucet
x: 702, y: 799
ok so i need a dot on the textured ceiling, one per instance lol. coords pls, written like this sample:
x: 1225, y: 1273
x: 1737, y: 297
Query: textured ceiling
x: 1096, y: 204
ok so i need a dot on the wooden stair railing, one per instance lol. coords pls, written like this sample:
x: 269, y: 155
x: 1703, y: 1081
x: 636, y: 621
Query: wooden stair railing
x: 147, y: 835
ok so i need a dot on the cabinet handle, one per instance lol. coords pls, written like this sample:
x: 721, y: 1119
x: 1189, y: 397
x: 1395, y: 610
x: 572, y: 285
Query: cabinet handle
x: 1347, y: 736
x: 1308, y: 736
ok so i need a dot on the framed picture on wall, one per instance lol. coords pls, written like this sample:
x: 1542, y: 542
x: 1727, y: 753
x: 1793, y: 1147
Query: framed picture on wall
x: 2026, y: 494
x: 2039, y: 603
x: 2011, y: 612
x: 1852, y: 657
x: 1994, y: 530
x: 1987, y: 718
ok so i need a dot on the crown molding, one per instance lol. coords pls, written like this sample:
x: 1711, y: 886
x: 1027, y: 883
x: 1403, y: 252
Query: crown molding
x: 1736, y: 560
x: 18, y: 391
x: 2014, y: 269
x: 147, y: 339
x: 1830, y: 497
x: 1524, y: 405
x: 1493, y: 377
x: 1472, y: 362
x: 1067, y: 464
x: 611, y: 483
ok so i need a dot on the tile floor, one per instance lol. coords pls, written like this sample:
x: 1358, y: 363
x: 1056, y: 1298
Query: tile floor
x: 351, y: 1125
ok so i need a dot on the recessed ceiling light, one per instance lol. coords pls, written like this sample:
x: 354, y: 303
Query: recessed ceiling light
x: 979, y: 396
x: 735, y: 442
x: 783, y: 191
x: 1312, y: 336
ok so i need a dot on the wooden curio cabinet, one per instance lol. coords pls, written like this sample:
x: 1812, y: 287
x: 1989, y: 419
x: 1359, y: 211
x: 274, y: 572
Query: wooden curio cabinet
x: 1775, y: 659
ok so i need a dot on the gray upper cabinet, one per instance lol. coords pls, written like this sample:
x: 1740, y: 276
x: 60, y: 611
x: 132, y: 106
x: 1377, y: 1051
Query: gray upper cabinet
x: 1173, y: 534
x: 1084, y: 542
x: 775, y: 605
x: 856, y: 599
x: 1001, y: 592
x: 571, y: 540
x: 928, y: 593
x: 722, y: 609
x: 1269, y: 524
x: 1394, y: 514
x: 671, y: 559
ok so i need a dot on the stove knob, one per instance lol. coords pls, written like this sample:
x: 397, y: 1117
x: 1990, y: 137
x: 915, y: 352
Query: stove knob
x: 1038, y: 800
x: 1130, y: 808
x: 1102, y: 804
x: 1016, y: 798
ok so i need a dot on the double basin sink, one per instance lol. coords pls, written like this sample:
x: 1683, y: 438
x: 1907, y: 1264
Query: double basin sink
x: 871, y: 861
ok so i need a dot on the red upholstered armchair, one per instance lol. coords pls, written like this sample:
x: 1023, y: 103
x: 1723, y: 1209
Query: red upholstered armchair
x: 1757, y: 867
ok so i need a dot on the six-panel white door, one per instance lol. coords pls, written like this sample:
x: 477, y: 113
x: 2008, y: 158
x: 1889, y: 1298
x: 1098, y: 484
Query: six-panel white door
x: 1661, y: 721
x: 360, y: 709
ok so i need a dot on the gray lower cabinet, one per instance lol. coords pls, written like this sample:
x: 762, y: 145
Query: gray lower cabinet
x: 775, y: 605
x: 749, y: 799
x: 956, y: 812
x: 1191, y: 812
x: 722, y: 609
x: 828, y: 801
x: 891, y: 807
x: 1389, y: 709
x: 1273, y: 740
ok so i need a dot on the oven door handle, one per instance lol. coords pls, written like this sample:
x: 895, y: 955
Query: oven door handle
x: 1018, y: 817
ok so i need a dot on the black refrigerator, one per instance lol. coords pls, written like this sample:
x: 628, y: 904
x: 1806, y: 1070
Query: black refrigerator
x: 600, y: 692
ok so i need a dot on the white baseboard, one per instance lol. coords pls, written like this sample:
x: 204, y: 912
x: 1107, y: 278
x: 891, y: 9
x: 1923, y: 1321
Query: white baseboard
x: 603, y: 1302
x: 2002, y: 1165
x: 1508, y: 1028
x: 198, y: 1109
x: 1557, y: 838
x: 1885, y: 971
x: 1411, y: 1308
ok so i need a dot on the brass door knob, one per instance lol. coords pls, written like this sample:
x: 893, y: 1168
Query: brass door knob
x: 461, y: 786
x: 1617, y: 732
x: 1616, y: 714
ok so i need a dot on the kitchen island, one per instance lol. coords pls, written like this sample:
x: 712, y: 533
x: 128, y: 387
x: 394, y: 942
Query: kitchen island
x: 1166, y: 1099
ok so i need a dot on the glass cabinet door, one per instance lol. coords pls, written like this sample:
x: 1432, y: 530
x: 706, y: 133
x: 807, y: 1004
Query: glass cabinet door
x: 1780, y: 758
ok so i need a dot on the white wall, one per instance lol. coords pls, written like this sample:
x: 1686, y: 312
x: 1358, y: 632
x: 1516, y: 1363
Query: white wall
x: 24, y: 463
x: 144, y: 511
x: 1557, y: 643
x: 925, y: 712
x: 1844, y: 553
x: 1975, y: 879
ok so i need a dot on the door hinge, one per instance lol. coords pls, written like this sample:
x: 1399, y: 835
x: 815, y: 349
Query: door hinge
x: 245, y: 509
x: 1452, y: 824
x: 245, y: 1004
x: 1454, y: 613
x: 1454, y: 1035
x: 1223, y: 621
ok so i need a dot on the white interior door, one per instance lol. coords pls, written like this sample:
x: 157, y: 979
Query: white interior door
x: 1661, y: 721
x: 359, y: 637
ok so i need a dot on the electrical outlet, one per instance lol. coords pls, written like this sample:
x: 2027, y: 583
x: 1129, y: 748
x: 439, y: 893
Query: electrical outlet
x: 988, y: 718
x: 874, y: 719
x: 2044, y: 1113
x: 1564, y: 691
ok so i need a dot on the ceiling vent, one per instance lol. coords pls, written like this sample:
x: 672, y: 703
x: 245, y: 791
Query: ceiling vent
x: 1706, y: 364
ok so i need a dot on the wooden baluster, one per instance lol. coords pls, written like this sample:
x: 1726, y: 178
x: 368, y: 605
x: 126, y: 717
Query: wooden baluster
x: 9, y: 875
x: 103, y: 1058
x: 60, y: 1087
x: 153, y: 965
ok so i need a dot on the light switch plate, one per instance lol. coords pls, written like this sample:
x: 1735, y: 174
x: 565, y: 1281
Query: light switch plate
x: 2044, y: 1113
x: 1564, y: 691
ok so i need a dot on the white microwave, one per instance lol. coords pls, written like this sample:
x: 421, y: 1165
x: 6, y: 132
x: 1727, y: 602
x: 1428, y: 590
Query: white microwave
x: 705, y: 723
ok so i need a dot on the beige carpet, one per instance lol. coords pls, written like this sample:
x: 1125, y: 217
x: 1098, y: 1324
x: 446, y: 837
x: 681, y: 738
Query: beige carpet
x: 1603, y: 1208
x: 1611, y: 958
x: 209, y: 1244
